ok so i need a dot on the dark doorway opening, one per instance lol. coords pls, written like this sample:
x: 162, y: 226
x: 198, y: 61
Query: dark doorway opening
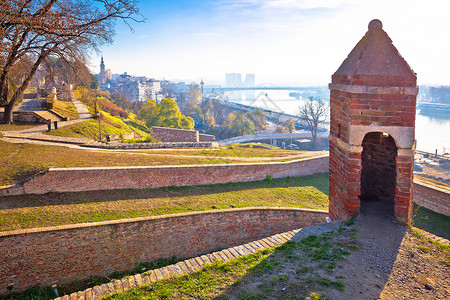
x: 378, y: 175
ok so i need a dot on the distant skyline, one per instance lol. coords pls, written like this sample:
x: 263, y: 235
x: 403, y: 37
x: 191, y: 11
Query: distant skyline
x: 281, y: 42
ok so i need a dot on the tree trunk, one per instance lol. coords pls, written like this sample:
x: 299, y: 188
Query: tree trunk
x: 7, y: 116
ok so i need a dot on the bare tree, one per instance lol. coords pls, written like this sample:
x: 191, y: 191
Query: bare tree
x: 32, y: 30
x: 313, y: 113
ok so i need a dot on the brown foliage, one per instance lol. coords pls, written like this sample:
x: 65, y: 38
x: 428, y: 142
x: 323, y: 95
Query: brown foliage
x: 33, y: 30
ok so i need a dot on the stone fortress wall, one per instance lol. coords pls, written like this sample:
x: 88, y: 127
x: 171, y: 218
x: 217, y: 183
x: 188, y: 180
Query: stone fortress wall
x: 44, y: 256
x: 93, y: 179
x: 180, y: 135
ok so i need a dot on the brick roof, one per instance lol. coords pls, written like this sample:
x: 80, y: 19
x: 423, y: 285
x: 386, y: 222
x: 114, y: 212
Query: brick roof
x: 375, y: 55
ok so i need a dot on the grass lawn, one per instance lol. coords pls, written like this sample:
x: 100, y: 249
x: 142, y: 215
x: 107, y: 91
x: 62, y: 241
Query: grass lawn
x: 19, y: 161
x: 239, y: 152
x: 14, y: 127
x: 430, y: 221
x: 294, y: 270
x: 66, y: 108
x: 53, y: 209
x: 89, y: 128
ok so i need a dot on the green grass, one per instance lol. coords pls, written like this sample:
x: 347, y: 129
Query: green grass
x: 263, y: 275
x: 19, y: 161
x: 89, y: 128
x: 426, y: 245
x: 139, y: 128
x: 432, y: 222
x: 66, y: 108
x: 71, y: 208
x: 239, y: 152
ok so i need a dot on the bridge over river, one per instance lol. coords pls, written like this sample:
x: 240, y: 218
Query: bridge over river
x: 268, y: 87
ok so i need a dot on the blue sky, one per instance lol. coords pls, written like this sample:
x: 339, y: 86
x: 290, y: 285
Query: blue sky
x: 281, y: 41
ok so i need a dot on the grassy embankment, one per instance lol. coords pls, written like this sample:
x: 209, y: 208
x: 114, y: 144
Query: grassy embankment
x: 89, y: 128
x: 19, y: 161
x: 70, y: 208
x: 66, y: 108
x: 111, y: 122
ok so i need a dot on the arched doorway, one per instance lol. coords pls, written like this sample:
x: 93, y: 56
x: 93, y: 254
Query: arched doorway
x: 378, y: 174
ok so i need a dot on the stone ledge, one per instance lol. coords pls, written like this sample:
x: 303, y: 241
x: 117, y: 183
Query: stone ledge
x: 171, y: 216
x: 374, y: 90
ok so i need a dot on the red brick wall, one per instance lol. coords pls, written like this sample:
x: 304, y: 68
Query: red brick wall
x: 74, y: 252
x: 174, y: 134
x: 345, y: 182
x: 432, y: 198
x: 348, y: 109
x: 88, y: 179
x: 206, y: 137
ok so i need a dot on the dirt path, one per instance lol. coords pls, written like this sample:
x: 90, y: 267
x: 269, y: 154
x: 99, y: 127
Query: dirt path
x: 388, y: 261
x: 391, y: 264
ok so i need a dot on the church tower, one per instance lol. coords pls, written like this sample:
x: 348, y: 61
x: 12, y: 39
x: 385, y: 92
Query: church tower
x: 102, y: 66
x: 103, y: 75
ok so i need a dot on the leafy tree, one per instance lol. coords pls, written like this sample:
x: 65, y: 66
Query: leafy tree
x: 149, y: 112
x: 313, y: 113
x: 165, y: 114
x: 33, y: 30
x: 259, y: 119
x: 290, y: 125
x: 239, y: 124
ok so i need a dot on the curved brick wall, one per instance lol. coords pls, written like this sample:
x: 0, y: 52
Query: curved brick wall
x: 431, y: 197
x: 90, y: 179
x: 63, y: 254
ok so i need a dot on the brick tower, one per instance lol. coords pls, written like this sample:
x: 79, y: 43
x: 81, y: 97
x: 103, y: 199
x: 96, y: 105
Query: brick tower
x: 373, y: 106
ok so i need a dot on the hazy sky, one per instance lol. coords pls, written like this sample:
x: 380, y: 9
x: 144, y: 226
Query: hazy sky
x: 282, y: 42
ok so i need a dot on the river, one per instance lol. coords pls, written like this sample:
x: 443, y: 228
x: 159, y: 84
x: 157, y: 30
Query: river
x: 432, y: 131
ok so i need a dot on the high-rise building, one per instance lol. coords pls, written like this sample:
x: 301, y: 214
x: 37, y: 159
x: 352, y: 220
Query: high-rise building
x: 233, y: 80
x: 249, y: 80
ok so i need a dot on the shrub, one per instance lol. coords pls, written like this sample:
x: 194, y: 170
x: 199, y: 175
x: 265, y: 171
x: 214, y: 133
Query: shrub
x: 114, y: 110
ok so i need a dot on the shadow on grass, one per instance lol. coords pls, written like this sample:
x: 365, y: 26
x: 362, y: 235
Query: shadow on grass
x: 319, y: 181
x: 313, y: 268
x: 431, y: 221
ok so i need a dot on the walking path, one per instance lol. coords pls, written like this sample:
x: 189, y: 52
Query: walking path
x: 35, y: 134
